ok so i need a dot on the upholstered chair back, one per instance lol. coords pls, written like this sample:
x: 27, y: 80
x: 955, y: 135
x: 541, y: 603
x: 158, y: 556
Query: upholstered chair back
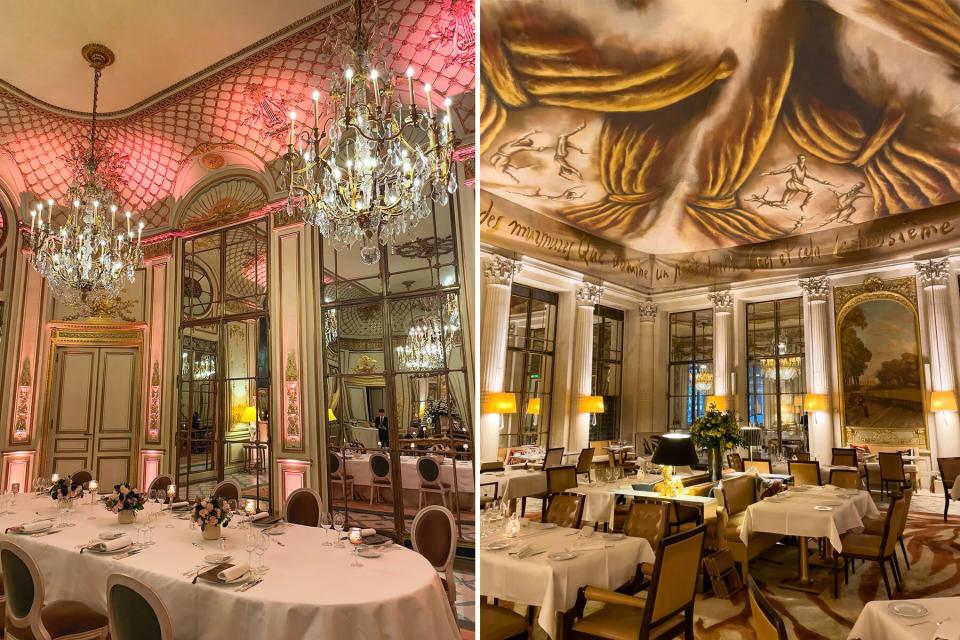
x: 554, y: 458
x: 228, y: 490
x: 845, y: 478
x: 565, y: 510
x: 767, y: 623
x: 160, y: 483
x: 379, y: 466
x: 738, y: 493
x: 585, y: 461
x: 429, y: 471
x: 949, y: 470
x: 304, y: 506
x: 760, y: 466
x: 22, y: 584
x: 804, y: 473
x: 896, y: 522
x: 135, y: 610
x: 647, y: 519
x: 891, y: 466
x: 487, y: 467
x: 81, y: 477
x: 844, y: 457
x: 559, y: 479
x: 674, y: 584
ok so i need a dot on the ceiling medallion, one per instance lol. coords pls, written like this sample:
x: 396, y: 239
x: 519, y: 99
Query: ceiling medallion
x: 87, y: 260
x: 384, y: 160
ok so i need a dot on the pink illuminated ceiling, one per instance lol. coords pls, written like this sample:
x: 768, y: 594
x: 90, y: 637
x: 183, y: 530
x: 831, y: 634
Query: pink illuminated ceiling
x: 240, y: 103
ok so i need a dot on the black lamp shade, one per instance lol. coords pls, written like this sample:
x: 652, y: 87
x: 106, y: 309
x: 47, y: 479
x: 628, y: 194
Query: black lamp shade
x: 676, y: 450
x: 751, y: 436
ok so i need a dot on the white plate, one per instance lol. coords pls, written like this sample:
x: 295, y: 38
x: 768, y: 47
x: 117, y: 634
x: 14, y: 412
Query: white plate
x: 112, y: 551
x: 543, y: 525
x: 110, y: 535
x: 496, y: 546
x: 907, y: 609
x: 613, y: 536
x: 368, y: 553
x: 830, y: 503
x: 562, y: 555
x: 275, y: 532
x: 820, y: 507
x: 217, y: 558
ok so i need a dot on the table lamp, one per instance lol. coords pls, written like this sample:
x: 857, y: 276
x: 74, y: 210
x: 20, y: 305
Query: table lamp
x: 250, y: 415
x: 674, y: 450
x: 330, y: 416
x: 751, y: 437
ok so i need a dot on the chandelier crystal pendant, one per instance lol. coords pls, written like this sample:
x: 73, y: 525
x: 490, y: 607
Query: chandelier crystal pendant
x: 429, y: 341
x: 88, y: 259
x: 383, y: 162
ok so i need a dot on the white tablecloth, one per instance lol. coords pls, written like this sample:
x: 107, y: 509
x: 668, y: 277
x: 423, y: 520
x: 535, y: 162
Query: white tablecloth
x: 517, y: 483
x: 552, y: 585
x: 359, y: 467
x: 310, y: 591
x: 601, y: 500
x: 794, y: 514
x: 877, y: 622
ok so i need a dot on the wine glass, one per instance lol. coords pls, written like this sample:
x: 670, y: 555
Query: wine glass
x: 339, y: 520
x: 326, y: 522
x: 262, y: 544
x: 250, y: 545
x: 356, y: 539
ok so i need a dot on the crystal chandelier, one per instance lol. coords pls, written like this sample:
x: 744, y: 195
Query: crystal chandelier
x: 429, y: 341
x: 789, y: 365
x: 87, y: 259
x: 703, y: 381
x: 383, y: 163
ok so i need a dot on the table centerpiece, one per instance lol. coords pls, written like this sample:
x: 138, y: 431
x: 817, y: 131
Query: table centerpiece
x: 717, y: 432
x: 125, y: 501
x: 211, y: 514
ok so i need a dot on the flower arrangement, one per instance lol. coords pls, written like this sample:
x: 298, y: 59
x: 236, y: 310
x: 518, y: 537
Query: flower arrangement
x: 716, y: 430
x: 66, y: 488
x: 124, y: 498
x: 210, y: 512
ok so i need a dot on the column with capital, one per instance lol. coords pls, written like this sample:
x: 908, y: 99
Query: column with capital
x: 818, y: 402
x: 498, y: 274
x: 932, y: 277
x: 648, y: 355
x: 588, y: 296
x: 722, y: 347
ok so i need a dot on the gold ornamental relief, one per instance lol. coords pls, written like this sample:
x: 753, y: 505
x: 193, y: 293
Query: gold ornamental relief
x: 904, y: 288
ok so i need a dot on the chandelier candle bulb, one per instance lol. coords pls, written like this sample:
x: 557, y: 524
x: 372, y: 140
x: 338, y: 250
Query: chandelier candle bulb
x: 349, y: 76
x: 316, y: 109
x: 376, y: 86
x: 128, y: 222
x: 413, y: 104
x: 426, y: 90
x: 293, y: 121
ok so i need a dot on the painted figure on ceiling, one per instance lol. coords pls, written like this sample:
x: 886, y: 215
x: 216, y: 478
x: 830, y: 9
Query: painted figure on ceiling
x: 845, y: 204
x: 796, y: 183
x: 564, y: 168
x: 502, y: 158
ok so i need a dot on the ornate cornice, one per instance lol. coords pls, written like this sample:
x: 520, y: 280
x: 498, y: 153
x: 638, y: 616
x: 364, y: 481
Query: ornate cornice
x: 648, y: 311
x: 904, y: 289
x: 500, y: 270
x: 932, y: 273
x: 816, y: 289
x: 588, y: 294
x: 722, y: 301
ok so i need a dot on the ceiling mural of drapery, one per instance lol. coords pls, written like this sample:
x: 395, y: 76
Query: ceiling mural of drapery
x: 730, y: 140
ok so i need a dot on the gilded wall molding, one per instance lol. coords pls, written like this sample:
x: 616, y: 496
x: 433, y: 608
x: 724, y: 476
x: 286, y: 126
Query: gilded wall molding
x: 21, y: 426
x: 153, y: 424
x: 903, y: 289
x: 293, y: 434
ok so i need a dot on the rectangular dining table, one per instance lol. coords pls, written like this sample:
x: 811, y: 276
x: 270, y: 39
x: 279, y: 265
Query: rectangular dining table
x: 551, y: 584
x: 310, y: 590
x: 809, y: 512
x: 517, y: 483
x: 877, y: 622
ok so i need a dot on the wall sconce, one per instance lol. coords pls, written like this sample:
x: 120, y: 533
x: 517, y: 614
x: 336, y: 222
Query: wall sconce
x: 942, y: 401
x: 592, y: 405
x: 330, y: 416
x: 815, y: 402
x: 533, y: 409
x: 719, y: 403
x: 500, y: 403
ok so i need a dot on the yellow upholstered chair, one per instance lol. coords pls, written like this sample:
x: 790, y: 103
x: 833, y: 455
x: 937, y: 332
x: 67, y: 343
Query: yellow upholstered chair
x: 585, y: 462
x: 667, y: 609
x: 874, y: 525
x: 843, y: 457
x: 891, y: 472
x: 846, y: 479
x: 647, y: 519
x: 735, y: 461
x: 804, y: 473
x: 565, y: 510
x: 949, y: 470
x: 882, y: 548
x: 734, y: 495
x: 760, y: 466
x: 766, y: 622
x: 500, y: 623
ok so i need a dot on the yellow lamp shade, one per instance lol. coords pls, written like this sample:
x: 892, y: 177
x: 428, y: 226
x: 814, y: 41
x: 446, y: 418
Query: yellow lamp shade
x: 330, y: 416
x: 943, y: 401
x: 500, y: 402
x: 719, y: 403
x: 591, y: 404
x: 533, y: 407
x: 816, y: 402
x: 249, y: 414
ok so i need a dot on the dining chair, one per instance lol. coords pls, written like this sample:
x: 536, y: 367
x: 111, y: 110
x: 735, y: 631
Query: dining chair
x: 338, y: 475
x: 553, y: 458
x: 760, y: 465
x: 135, y: 611
x: 491, y: 467
x: 767, y: 623
x: 434, y: 536
x: 881, y: 549
x: 647, y: 519
x: 304, y: 506
x: 667, y: 610
x: 804, y: 473
x: 486, y: 498
x: 565, y: 510
x: 380, y: 476
x: 28, y: 618
x: 874, y: 525
x: 949, y: 471
x: 81, y: 477
x: 735, y: 461
x: 160, y: 483
x: 846, y: 479
x: 500, y: 623
x: 891, y: 471
x: 843, y: 457
x: 429, y: 472
x: 228, y: 490
x: 585, y: 462
x: 802, y: 456
x: 560, y: 479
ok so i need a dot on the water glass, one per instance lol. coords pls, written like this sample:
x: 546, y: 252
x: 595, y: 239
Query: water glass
x: 250, y: 545
x: 326, y: 521
x: 339, y: 521
x: 263, y: 543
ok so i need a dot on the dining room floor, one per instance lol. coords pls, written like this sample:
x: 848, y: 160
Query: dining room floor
x: 934, y: 549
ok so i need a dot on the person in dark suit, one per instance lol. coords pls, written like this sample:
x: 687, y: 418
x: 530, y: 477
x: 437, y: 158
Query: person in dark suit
x: 383, y: 431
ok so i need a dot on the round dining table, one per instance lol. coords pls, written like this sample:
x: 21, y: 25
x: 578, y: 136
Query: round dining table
x: 309, y: 590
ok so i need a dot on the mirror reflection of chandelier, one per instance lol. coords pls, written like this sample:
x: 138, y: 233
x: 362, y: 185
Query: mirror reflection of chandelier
x: 429, y: 341
x: 204, y: 366
x: 703, y: 381
x: 789, y: 366
x: 88, y: 258
x: 384, y: 160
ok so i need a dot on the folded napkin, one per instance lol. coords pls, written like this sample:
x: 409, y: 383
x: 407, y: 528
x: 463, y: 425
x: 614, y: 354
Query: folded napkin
x: 39, y: 525
x: 177, y: 505
x: 111, y: 545
x: 949, y: 630
x: 368, y: 532
x: 259, y: 516
x: 589, y: 545
x: 234, y: 572
x: 830, y: 487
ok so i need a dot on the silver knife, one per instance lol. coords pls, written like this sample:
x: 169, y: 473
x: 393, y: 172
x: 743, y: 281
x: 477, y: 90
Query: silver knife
x: 45, y: 533
x: 250, y: 585
x: 127, y: 554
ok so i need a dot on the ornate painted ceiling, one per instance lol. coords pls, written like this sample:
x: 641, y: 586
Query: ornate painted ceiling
x: 664, y: 144
x: 231, y: 112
